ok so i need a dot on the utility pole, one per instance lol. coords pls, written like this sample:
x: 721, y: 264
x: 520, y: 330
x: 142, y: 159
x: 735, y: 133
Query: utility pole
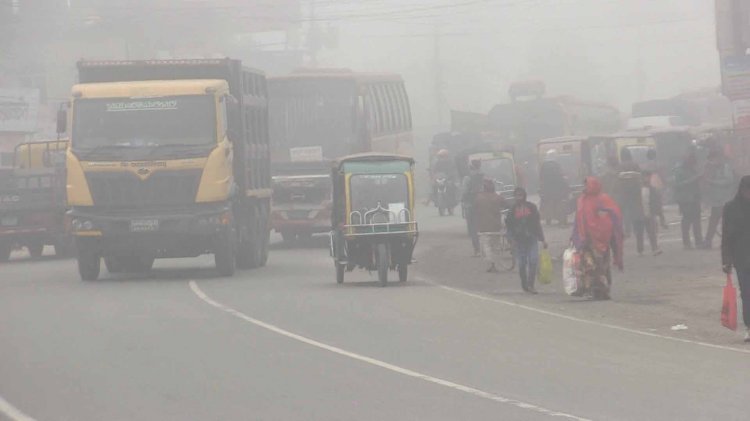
x: 438, y: 72
x: 313, y: 37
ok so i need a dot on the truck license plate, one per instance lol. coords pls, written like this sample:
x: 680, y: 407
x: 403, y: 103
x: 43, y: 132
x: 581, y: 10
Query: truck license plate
x: 144, y: 225
x: 9, y: 221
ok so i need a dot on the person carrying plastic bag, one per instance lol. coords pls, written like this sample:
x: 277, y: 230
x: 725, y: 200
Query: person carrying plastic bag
x: 598, y: 237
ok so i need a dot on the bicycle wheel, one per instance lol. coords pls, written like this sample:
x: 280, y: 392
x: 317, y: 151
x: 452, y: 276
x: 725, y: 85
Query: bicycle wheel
x: 507, y: 254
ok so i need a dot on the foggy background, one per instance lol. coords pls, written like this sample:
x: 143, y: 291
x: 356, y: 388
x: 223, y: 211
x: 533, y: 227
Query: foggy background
x: 453, y: 54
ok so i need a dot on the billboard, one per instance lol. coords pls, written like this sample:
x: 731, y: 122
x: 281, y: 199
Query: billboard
x: 19, y: 109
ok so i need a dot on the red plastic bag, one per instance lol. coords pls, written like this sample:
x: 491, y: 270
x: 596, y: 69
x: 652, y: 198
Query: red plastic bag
x: 729, y: 307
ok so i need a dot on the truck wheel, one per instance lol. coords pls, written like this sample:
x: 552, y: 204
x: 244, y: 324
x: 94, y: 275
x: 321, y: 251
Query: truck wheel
x: 5, y: 250
x: 89, y: 263
x: 383, y: 264
x: 250, y: 249
x: 113, y: 264
x: 224, y: 257
x: 35, y: 250
x: 136, y: 264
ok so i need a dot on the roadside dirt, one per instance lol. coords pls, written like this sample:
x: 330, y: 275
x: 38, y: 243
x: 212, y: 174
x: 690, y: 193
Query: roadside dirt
x: 653, y: 294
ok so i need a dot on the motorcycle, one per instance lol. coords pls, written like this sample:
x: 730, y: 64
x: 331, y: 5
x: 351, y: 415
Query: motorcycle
x: 445, y: 195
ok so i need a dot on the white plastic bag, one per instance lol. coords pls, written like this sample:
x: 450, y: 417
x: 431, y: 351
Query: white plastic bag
x: 571, y: 270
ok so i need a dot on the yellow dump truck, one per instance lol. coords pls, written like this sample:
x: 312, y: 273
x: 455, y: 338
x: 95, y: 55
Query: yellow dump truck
x: 167, y: 159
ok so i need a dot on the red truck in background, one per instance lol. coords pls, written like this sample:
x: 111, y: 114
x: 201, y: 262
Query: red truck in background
x: 33, y: 200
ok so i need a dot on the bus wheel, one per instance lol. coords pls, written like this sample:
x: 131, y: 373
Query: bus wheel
x: 36, y: 249
x: 383, y: 264
x: 5, y: 249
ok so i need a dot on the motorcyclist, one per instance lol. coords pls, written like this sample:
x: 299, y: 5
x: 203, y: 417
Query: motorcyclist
x: 445, y: 166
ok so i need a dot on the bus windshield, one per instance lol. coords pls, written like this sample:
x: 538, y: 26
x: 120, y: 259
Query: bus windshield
x: 308, y: 113
x: 124, y: 122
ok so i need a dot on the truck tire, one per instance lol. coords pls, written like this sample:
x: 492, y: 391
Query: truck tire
x: 224, y: 257
x: 383, y: 263
x: 136, y: 263
x: 5, y: 250
x: 250, y: 248
x: 113, y: 264
x: 36, y: 249
x: 89, y: 263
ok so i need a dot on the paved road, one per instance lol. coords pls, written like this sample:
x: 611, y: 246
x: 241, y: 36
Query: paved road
x: 285, y: 342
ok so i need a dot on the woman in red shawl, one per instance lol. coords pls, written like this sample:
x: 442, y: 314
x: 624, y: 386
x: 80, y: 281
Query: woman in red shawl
x: 598, y: 236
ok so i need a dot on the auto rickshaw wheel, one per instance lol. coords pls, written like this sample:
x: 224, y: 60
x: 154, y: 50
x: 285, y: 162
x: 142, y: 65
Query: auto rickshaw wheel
x: 383, y: 264
x: 403, y: 272
x: 340, y: 270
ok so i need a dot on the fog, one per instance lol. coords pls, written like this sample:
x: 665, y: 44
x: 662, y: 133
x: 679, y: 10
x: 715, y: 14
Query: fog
x: 454, y: 54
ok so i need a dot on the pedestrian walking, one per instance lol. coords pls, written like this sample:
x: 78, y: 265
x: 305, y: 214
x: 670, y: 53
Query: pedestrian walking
x: 629, y: 190
x: 554, y: 190
x: 598, y: 237
x: 610, y: 176
x: 735, y: 245
x: 525, y: 230
x: 687, y: 194
x: 471, y: 186
x: 646, y: 222
x: 652, y: 166
x: 717, y: 191
x: 489, y: 213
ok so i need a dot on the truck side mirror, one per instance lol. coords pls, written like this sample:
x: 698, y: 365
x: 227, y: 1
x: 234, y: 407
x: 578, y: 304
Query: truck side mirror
x: 62, y: 121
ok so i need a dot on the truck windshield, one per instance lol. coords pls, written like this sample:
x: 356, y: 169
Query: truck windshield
x: 188, y: 120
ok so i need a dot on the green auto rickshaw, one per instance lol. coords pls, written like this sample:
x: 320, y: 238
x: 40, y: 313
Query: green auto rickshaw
x: 373, y: 223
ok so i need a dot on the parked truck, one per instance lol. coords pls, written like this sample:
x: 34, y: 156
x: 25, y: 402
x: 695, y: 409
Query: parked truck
x: 168, y: 159
x: 32, y: 200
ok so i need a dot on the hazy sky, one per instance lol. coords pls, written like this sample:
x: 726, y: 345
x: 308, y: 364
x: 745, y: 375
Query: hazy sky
x: 616, y: 51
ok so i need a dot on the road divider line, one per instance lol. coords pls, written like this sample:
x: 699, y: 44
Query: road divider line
x: 11, y: 412
x: 377, y: 363
x: 579, y: 320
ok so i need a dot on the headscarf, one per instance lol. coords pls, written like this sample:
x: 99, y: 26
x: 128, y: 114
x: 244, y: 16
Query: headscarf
x: 598, y: 222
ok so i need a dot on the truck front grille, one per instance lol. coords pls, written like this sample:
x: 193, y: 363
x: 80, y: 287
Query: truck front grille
x: 124, y: 190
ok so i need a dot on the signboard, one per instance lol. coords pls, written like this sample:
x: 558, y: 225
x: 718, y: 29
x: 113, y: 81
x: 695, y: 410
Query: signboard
x: 741, y: 109
x: 735, y: 73
x: 306, y: 154
x: 19, y: 109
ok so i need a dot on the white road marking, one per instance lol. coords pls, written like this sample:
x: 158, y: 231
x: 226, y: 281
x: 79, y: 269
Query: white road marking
x: 579, y: 320
x: 381, y: 364
x: 11, y: 412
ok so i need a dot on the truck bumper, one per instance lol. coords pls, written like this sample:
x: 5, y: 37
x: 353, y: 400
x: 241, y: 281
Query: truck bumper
x: 282, y: 223
x: 175, y: 233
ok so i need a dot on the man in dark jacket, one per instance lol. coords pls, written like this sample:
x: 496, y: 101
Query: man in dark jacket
x: 687, y: 194
x: 525, y: 229
x: 629, y: 190
x: 717, y: 191
x: 735, y: 245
